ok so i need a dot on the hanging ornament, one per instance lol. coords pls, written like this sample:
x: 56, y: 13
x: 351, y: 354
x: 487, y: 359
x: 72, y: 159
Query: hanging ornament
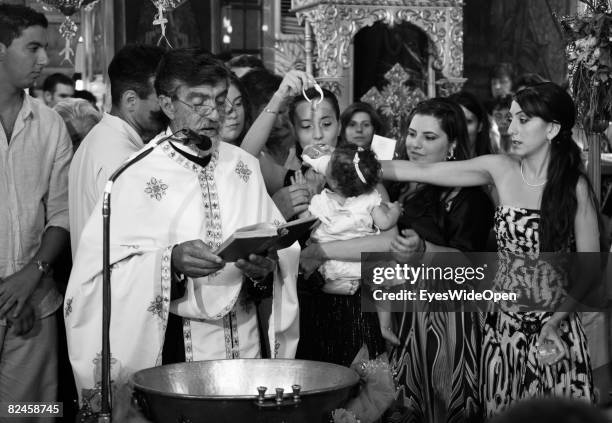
x: 164, y: 6
x: 68, y: 29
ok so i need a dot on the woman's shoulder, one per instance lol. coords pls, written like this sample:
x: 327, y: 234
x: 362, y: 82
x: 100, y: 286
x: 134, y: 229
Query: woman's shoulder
x: 498, y: 161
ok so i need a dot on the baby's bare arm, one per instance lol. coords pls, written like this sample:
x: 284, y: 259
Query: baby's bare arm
x: 385, y: 215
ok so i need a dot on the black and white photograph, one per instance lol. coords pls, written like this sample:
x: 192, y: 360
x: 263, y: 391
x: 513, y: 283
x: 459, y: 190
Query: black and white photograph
x: 179, y: 180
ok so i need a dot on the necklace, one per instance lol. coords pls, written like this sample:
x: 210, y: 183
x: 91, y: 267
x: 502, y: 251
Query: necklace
x: 525, y: 180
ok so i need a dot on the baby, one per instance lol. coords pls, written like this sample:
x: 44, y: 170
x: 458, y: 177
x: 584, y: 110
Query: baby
x: 350, y: 208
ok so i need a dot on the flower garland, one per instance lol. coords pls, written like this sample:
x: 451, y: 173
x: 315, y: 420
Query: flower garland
x: 589, y: 54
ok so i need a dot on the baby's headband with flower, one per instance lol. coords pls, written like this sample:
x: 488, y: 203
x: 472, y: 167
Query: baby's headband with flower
x: 356, y: 163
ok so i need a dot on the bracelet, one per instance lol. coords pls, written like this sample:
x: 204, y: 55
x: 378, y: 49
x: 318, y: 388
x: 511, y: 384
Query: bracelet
x: 178, y: 277
x: 43, y: 267
x: 268, y: 110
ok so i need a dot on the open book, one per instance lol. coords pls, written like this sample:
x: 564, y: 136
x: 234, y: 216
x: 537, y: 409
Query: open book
x: 259, y: 238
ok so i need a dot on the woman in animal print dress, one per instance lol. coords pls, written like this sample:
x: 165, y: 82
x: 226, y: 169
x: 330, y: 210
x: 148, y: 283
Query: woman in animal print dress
x: 547, y: 205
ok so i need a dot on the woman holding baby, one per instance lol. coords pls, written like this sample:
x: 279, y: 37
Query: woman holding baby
x: 437, y: 352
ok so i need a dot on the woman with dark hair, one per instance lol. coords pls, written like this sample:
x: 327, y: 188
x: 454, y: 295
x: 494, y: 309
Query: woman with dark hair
x: 360, y: 122
x: 478, y: 124
x: 238, y: 119
x: 332, y: 326
x: 439, y: 349
x: 547, y: 205
x: 271, y: 137
x: 316, y: 121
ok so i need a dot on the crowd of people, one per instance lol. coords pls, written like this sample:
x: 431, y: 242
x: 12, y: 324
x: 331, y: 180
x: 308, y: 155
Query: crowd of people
x: 454, y: 186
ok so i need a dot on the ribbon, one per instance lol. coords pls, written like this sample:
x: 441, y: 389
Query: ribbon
x: 311, y: 101
x: 356, y: 163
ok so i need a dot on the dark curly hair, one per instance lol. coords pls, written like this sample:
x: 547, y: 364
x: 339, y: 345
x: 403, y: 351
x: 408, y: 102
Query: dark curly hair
x: 345, y: 175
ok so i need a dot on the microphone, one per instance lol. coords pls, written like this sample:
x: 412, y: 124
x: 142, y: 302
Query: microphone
x: 183, y: 134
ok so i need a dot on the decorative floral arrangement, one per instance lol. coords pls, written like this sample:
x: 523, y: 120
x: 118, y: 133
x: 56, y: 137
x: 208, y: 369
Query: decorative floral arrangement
x: 376, y: 394
x: 589, y: 54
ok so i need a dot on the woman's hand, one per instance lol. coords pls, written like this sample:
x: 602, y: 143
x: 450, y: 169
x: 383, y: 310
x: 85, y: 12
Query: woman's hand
x: 550, y: 333
x: 292, y: 200
x: 389, y: 336
x: 311, y: 258
x: 293, y: 83
x: 405, y: 244
x: 395, y: 209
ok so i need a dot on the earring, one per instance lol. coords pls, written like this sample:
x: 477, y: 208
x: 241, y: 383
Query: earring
x: 450, y: 155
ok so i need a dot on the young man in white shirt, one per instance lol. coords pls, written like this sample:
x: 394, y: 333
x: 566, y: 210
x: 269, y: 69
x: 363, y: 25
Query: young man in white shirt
x: 35, y: 153
x: 134, y: 119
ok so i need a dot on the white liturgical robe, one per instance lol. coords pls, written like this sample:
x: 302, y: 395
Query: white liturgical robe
x: 161, y: 201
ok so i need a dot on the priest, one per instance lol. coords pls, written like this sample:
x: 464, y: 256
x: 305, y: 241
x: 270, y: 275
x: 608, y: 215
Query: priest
x: 170, y: 211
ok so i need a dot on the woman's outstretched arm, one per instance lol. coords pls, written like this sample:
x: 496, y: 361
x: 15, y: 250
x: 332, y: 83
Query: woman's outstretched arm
x: 258, y: 134
x: 481, y: 170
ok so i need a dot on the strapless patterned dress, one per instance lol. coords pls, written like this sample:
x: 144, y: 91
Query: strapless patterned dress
x: 509, y: 365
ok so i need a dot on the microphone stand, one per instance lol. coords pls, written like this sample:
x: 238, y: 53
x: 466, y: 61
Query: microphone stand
x: 105, y: 414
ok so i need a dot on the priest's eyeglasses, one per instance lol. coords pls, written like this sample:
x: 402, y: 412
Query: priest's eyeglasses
x: 204, y: 110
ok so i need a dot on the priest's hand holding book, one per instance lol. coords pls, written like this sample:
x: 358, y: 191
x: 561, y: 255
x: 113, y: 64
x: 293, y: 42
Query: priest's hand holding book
x: 258, y: 267
x: 263, y: 238
x: 194, y: 259
x: 252, y: 249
